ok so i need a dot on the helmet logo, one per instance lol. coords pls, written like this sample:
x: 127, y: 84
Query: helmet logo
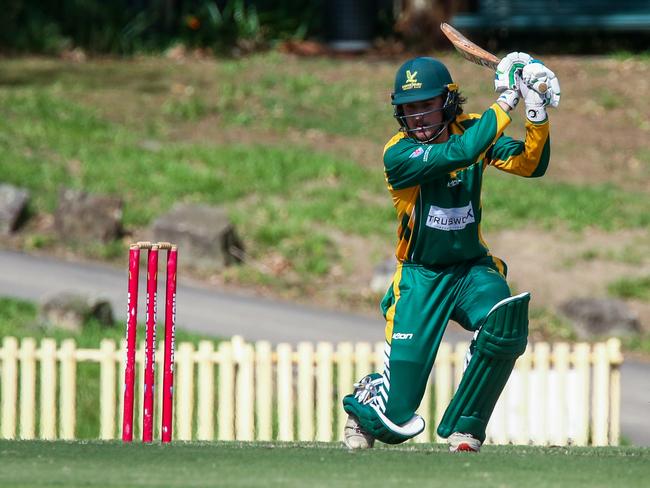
x: 411, y: 81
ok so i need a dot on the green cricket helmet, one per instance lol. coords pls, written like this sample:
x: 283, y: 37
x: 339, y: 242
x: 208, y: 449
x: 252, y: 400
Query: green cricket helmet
x: 421, y: 79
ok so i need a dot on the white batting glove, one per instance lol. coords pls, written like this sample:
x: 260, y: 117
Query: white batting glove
x: 535, y: 103
x: 510, y: 98
x: 505, y: 77
x: 541, y: 79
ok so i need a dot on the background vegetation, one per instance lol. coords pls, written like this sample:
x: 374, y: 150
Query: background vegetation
x: 128, y: 26
x: 292, y: 153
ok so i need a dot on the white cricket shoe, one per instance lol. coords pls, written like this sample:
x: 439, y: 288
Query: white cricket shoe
x: 355, y: 437
x: 463, y: 443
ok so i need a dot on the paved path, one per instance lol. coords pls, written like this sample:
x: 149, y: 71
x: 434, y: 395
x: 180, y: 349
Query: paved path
x: 213, y: 311
x: 200, y: 309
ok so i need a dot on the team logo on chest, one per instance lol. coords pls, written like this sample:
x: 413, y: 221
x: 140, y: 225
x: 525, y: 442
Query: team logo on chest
x: 450, y: 218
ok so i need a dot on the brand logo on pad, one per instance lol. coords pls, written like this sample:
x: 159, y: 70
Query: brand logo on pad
x: 399, y: 335
x: 450, y: 218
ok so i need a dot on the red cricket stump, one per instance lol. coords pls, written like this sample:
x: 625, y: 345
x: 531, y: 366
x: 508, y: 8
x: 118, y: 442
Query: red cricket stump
x: 170, y: 329
x: 150, y: 341
x: 150, y: 344
x: 131, y: 326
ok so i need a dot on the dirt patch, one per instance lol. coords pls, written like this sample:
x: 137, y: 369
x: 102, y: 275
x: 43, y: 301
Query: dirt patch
x: 208, y: 130
x: 555, y: 266
x: 599, y: 133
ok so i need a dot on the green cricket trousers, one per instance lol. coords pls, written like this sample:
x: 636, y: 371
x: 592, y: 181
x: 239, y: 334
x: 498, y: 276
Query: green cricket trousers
x: 417, y: 308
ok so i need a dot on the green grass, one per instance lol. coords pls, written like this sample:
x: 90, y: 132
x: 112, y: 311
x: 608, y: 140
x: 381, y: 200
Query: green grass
x: 48, y: 143
x: 149, y: 131
x: 635, y: 252
x: 514, y: 202
x: 547, y: 325
x: 624, y: 55
x: 308, y: 94
x: 296, y: 190
x: 40, y: 464
x: 638, y: 288
x: 608, y: 99
x: 638, y: 343
x: 19, y: 318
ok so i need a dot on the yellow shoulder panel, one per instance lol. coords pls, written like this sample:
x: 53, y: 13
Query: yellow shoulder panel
x: 457, y: 127
x: 394, y: 140
x: 462, y: 117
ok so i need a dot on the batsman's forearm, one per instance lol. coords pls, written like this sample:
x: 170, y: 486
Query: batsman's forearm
x: 506, y: 108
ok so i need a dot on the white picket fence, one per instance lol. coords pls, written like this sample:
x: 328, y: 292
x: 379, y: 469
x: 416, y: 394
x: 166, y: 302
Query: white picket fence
x: 558, y: 394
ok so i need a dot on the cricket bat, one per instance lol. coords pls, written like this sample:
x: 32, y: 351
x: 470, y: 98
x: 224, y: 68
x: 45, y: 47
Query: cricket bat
x: 474, y: 53
x: 468, y: 49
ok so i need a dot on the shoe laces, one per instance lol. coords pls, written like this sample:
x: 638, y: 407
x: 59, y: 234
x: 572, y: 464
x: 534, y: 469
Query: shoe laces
x: 367, y: 388
x: 466, y: 436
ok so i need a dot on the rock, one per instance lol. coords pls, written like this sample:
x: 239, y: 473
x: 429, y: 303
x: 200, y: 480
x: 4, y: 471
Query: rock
x: 597, y: 317
x: 76, y: 55
x: 13, y: 204
x: 81, y: 216
x: 205, y: 235
x: 71, y: 311
x: 151, y: 145
x: 383, y: 275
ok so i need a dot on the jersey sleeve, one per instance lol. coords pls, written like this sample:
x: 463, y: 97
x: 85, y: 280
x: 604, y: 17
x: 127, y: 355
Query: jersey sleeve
x: 527, y: 158
x: 408, y: 163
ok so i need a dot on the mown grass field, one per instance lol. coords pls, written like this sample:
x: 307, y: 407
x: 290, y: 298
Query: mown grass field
x: 37, y: 464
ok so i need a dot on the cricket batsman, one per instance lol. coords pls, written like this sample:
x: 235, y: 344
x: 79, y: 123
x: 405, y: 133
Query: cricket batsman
x: 434, y: 169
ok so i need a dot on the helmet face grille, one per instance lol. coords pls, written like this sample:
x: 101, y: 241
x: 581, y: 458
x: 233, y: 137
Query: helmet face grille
x: 449, y: 110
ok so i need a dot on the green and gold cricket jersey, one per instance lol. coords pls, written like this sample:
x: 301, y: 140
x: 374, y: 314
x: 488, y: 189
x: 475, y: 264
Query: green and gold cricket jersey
x: 436, y: 188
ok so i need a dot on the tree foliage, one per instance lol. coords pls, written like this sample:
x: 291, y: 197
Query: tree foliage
x: 127, y: 26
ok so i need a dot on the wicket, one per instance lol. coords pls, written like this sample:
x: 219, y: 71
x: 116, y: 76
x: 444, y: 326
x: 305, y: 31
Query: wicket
x: 150, y: 340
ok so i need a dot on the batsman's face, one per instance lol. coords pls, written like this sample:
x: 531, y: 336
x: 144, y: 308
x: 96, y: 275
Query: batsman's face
x: 425, y: 117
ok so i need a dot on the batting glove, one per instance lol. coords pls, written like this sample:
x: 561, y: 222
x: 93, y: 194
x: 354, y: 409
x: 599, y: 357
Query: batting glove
x: 535, y: 104
x: 505, y: 77
x: 510, y: 98
x: 538, y: 77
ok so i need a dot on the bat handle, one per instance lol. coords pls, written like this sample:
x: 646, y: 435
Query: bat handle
x: 540, y: 87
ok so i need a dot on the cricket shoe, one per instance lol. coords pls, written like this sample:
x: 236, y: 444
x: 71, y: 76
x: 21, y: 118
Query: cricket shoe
x: 463, y: 443
x: 355, y: 437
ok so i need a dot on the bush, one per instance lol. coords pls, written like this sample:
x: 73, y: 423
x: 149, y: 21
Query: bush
x: 127, y: 26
